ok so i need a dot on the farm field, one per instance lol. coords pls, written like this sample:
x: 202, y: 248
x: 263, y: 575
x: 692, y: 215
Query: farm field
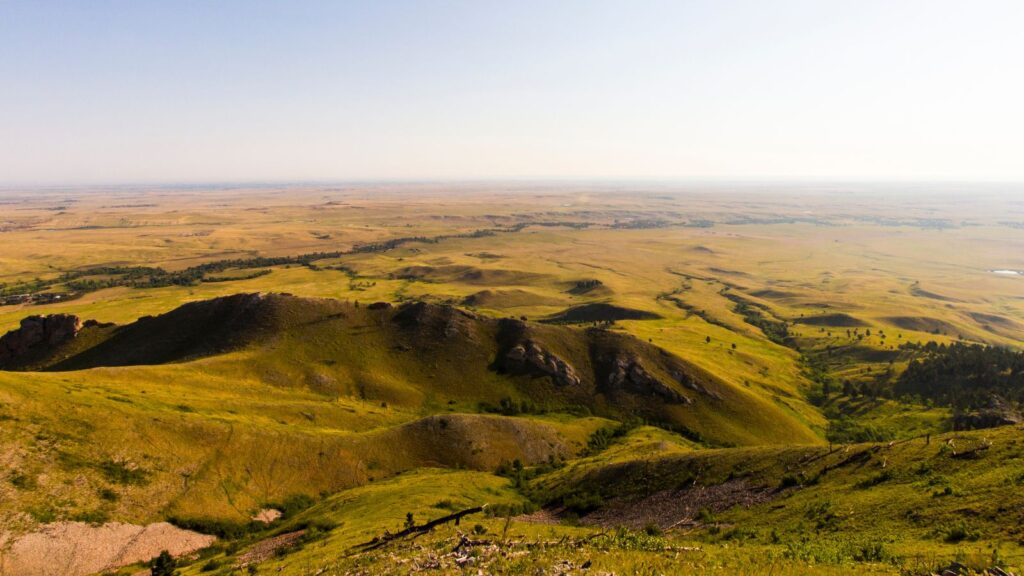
x: 632, y: 378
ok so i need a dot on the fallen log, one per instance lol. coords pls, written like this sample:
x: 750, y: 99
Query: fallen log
x: 379, y: 541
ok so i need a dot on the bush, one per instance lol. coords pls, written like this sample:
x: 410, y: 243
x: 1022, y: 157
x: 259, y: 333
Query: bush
x: 163, y: 565
x: 877, y: 479
x: 91, y: 516
x: 961, y: 532
x: 872, y: 552
x: 122, y: 473
x: 224, y: 529
x: 583, y: 502
x: 292, y: 505
x: 108, y: 495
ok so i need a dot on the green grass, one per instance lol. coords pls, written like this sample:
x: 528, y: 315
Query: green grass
x: 357, y: 416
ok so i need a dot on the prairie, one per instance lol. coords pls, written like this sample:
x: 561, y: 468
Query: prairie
x: 647, y: 378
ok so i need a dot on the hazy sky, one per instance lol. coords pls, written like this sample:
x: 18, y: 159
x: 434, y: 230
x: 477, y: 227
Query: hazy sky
x: 179, y: 91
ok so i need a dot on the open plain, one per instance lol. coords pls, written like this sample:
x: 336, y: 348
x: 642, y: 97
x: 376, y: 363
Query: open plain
x: 635, y: 378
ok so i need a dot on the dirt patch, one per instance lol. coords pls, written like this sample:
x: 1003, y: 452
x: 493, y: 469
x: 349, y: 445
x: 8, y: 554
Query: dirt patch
x: 77, y: 548
x: 678, y: 508
x: 267, y: 515
x: 265, y: 549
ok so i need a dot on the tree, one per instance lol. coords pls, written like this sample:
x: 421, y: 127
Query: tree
x: 707, y: 340
x: 163, y: 565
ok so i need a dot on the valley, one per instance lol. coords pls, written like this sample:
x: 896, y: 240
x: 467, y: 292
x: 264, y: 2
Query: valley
x: 624, y: 379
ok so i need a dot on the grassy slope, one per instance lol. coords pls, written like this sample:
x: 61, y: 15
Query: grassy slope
x: 873, y: 509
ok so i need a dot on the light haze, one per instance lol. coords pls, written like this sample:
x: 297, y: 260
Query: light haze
x: 145, y: 91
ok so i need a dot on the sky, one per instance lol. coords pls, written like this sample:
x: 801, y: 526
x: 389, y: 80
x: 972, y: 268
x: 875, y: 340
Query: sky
x: 181, y: 91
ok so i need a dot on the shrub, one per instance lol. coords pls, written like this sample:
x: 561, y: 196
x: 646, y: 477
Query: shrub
x: 583, y: 502
x: 224, y: 529
x: 292, y: 505
x: 871, y: 552
x: 122, y: 473
x: 91, y: 516
x: 961, y: 532
x: 108, y: 495
x: 163, y: 565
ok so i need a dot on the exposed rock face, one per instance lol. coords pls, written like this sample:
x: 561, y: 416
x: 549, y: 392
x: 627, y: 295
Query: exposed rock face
x: 529, y: 358
x: 688, y: 381
x: 998, y: 413
x: 628, y: 375
x: 436, y: 321
x: 38, y: 332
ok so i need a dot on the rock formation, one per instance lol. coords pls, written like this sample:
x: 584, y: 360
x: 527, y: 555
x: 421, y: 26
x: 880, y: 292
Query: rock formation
x: 38, y: 333
x: 529, y: 358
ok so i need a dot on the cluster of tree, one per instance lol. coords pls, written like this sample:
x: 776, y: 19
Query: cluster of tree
x: 248, y: 276
x: 510, y: 407
x: 964, y: 376
x: 92, y: 279
x: 775, y: 330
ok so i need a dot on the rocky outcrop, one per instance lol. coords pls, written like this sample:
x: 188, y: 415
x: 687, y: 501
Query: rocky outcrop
x: 626, y: 374
x: 689, y: 382
x: 37, y: 334
x: 529, y: 358
x: 999, y: 412
x: 436, y: 322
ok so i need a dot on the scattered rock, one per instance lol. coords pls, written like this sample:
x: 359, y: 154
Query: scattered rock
x: 265, y: 549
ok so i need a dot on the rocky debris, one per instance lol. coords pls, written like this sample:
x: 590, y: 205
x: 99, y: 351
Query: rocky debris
x: 626, y: 374
x: 958, y: 569
x: 266, y: 549
x: 999, y: 412
x: 79, y: 548
x: 464, y: 554
x: 529, y: 358
x: 678, y: 508
x: 38, y: 332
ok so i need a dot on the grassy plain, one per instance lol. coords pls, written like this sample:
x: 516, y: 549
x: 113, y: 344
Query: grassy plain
x: 215, y: 438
